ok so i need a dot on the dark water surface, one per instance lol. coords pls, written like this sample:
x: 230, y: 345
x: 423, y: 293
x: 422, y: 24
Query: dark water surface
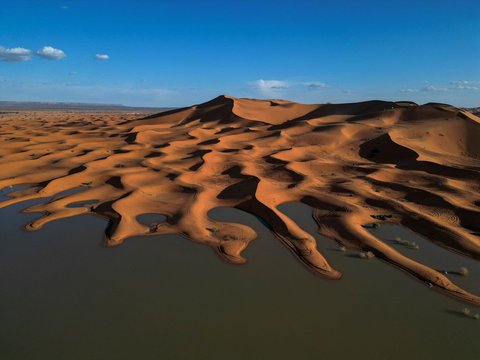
x: 64, y: 296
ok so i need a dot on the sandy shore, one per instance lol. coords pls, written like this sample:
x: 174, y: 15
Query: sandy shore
x: 419, y: 165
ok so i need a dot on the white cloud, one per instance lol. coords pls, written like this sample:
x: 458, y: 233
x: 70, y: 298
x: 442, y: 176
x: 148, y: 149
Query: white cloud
x: 50, y: 53
x: 452, y: 85
x: 316, y: 85
x: 464, y: 85
x: 15, y: 54
x: 271, y: 84
x: 432, y: 88
x: 102, y: 56
x: 462, y: 82
x: 269, y: 87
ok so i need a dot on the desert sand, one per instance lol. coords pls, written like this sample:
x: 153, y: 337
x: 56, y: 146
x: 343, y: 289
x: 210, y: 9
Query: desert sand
x: 417, y: 164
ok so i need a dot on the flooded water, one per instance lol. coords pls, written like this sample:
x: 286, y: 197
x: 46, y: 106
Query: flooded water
x: 64, y: 296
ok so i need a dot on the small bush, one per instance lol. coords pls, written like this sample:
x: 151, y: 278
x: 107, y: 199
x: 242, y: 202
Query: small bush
x: 407, y: 243
x: 366, y: 255
x: 382, y: 217
x: 213, y: 230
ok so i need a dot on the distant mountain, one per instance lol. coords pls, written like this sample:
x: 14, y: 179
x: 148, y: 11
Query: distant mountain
x: 39, y: 105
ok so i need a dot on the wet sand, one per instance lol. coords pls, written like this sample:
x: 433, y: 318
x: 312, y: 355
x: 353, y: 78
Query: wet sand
x: 64, y: 295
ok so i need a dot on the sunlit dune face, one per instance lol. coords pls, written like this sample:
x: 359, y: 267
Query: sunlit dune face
x: 354, y: 164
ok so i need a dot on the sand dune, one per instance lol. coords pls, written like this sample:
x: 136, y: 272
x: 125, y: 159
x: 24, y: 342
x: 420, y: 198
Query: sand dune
x: 420, y: 164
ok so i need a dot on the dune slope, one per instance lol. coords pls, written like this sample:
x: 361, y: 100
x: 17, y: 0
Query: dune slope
x: 420, y: 164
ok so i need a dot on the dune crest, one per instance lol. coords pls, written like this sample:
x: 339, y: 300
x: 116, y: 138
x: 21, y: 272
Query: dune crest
x: 420, y: 164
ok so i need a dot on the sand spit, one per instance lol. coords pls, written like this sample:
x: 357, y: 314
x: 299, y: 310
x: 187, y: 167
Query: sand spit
x: 419, y: 165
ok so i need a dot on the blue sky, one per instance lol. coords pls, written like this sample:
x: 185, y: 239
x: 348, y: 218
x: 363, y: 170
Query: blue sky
x: 174, y: 53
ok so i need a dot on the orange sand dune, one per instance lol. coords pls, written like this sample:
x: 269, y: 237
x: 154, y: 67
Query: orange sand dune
x: 347, y: 161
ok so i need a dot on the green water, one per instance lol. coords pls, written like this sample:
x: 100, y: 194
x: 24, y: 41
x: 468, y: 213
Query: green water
x: 64, y: 296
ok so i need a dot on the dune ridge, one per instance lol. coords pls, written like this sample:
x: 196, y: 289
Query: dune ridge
x: 418, y: 163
